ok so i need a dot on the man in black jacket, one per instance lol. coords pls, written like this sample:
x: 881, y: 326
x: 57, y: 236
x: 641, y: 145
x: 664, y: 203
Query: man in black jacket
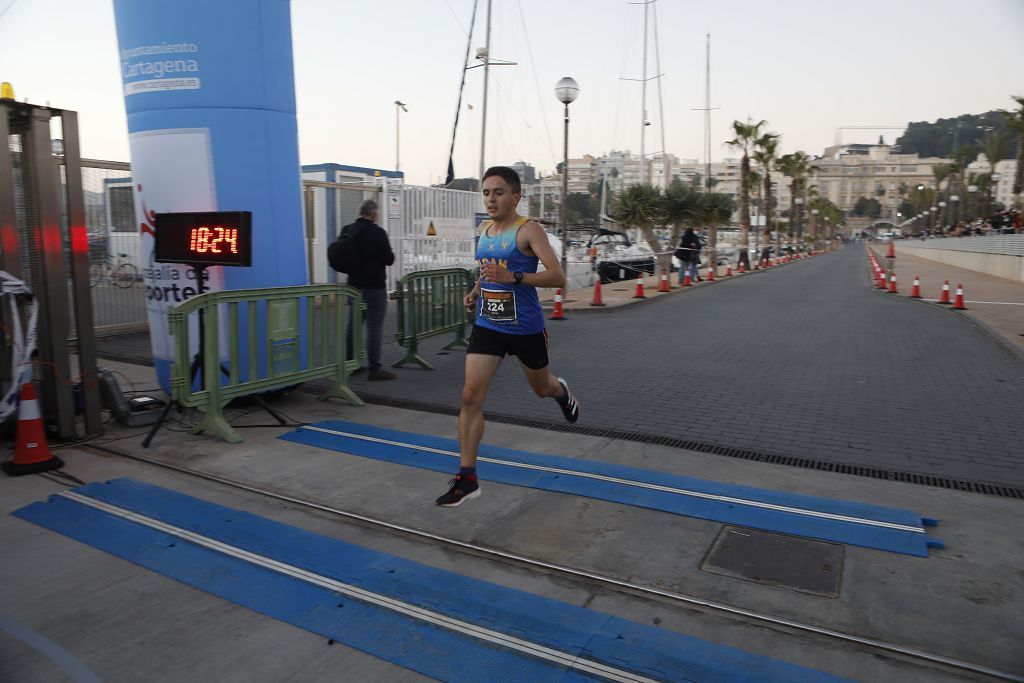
x: 375, y: 254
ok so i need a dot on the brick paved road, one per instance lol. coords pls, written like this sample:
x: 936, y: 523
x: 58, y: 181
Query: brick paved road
x: 806, y: 360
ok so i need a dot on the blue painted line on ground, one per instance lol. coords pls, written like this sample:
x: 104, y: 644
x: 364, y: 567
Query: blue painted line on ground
x: 412, y: 449
x: 443, y: 653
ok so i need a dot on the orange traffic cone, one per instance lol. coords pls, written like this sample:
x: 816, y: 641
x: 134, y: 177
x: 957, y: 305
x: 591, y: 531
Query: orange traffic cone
x: 31, y: 453
x: 558, y: 313
x: 596, y: 301
x: 881, y: 279
x: 728, y: 269
x: 892, y: 283
x: 958, y: 304
x: 892, y: 250
x: 741, y: 268
x: 915, y: 293
x: 663, y: 285
x: 944, y: 299
x: 711, y: 272
x: 639, y: 288
x: 686, y: 279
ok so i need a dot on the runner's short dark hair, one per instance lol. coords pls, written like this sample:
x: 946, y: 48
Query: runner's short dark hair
x: 508, y: 175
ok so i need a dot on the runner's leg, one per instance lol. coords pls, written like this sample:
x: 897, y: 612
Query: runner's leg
x: 480, y: 369
x: 543, y: 383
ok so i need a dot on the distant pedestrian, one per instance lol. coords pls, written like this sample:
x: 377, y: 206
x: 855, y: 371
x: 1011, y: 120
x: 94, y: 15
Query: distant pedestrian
x: 370, y: 278
x: 688, y: 254
x: 766, y: 253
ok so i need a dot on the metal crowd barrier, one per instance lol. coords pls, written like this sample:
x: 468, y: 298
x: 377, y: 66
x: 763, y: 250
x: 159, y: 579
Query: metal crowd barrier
x: 430, y: 303
x: 290, y: 335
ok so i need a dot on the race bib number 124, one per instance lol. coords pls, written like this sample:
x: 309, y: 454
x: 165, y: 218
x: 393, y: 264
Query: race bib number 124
x: 498, y: 305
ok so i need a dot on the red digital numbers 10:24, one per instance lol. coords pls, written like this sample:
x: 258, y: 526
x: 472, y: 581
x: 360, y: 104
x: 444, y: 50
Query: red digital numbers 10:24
x: 215, y: 240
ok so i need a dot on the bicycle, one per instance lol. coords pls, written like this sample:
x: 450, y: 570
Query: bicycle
x: 120, y: 273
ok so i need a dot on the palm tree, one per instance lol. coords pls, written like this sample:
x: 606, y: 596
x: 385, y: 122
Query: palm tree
x: 643, y: 207
x: 795, y: 166
x: 992, y: 146
x: 768, y: 146
x: 747, y: 136
x: 715, y: 209
x: 941, y: 172
x: 1015, y: 120
x: 681, y: 206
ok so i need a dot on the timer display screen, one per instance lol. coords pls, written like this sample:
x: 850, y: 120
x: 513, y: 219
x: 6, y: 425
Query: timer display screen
x: 205, y: 238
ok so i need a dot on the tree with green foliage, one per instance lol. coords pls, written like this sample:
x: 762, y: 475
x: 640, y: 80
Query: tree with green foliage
x: 1015, y: 120
x: 766, y: 156
x: 715, y: 210
x: 796, y: 167
x: 681, y: 206
x: 866, y: 208
x: 746, y: 141
x: 643, y: 207
x: 582, y: 207
x: 941, y: 138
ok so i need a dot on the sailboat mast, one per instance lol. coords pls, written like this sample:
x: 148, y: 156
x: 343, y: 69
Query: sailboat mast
x: 666, y: 166
x: 450, y: 175
x: 707, y: 117
x: 643, y: 105
x: 487, y: 64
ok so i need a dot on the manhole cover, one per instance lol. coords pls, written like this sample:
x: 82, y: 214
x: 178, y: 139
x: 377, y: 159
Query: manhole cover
x: 776, y: 560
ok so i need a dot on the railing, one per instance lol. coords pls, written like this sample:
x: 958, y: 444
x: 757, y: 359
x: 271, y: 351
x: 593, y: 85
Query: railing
x: 275, y: 338
x: 430, y: 303
x: 1006, y: 245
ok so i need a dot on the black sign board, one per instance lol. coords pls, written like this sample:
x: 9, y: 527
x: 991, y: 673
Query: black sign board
x: 204, y: 238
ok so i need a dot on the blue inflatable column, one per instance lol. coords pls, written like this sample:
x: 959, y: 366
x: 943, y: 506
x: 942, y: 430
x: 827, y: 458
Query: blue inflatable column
x: 210, y: 95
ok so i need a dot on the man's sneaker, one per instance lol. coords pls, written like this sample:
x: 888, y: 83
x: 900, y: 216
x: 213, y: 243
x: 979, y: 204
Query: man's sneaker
x: 462, y: 489
x: 569, y: 405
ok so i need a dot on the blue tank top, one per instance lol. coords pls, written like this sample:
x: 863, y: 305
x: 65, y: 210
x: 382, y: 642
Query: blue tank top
x: 514, y: 309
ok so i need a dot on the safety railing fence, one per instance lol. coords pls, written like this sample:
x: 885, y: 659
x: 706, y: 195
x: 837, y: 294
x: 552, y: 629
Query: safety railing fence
x: 431, y: 303
x: 1007, y: 245
x: 259, y: 340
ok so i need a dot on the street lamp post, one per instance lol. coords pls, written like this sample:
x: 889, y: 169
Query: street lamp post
x: 993, y: 193
x: 931, y: 216
x: 798, y: 229
x: 399, y: 107
x: 956, y: 210
x: 972, y: 203
x: 566, y: 91
x: 943, y: 215
x: 814, y: 225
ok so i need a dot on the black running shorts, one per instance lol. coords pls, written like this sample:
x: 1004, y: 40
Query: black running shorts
x: 530, y: 349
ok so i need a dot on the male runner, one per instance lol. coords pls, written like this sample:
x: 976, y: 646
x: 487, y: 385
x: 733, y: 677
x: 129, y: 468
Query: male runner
x: 509, y: 319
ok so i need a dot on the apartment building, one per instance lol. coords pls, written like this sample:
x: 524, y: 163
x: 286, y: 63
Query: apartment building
x: 846, y: 173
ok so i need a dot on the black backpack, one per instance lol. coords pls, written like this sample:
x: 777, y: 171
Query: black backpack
x: 343, y: 254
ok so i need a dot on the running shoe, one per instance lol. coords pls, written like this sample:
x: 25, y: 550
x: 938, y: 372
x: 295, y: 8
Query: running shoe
x: 569, y: 405
x: 462, y: 489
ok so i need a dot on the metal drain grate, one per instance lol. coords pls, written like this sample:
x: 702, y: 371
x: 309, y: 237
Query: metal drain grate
x: 714, y: 449
x: 778, y: 560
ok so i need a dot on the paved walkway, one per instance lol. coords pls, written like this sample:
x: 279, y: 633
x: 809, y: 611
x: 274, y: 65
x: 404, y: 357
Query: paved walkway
x: 805, y: 361
x: 995, y: 302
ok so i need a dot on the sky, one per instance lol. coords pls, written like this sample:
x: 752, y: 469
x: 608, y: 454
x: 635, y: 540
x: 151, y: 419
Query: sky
x: 806, y: 67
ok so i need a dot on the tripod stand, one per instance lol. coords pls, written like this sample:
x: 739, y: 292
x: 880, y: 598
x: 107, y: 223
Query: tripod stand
x: 197, y: 364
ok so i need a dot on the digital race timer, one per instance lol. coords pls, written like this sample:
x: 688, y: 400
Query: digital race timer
x: 204, y: 238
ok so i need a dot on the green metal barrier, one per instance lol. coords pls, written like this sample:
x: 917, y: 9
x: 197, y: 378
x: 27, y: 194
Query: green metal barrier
x: 281, y: 348
x: 430, y: 303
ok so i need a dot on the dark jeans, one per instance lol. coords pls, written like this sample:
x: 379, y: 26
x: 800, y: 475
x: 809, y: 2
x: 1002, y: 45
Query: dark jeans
x: 376, y: 301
